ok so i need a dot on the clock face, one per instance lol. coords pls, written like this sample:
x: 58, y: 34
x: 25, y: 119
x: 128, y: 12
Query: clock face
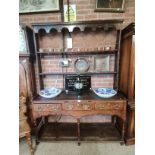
x: 22, y: 41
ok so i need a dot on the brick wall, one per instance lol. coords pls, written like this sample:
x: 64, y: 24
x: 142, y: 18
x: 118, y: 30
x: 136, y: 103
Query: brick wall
x: 85, y: 11
x: 86, y: 40
x: 81, y: 40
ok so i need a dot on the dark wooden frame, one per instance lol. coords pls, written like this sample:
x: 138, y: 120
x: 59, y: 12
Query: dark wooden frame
x: 103, y: 60
x: 127, y: 79
x: 48, y: 11
x: 97, y: 9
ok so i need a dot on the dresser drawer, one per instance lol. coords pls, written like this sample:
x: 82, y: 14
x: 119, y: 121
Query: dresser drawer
x: 109, y: 106
x: 74, y: 105
x: 47, y: 107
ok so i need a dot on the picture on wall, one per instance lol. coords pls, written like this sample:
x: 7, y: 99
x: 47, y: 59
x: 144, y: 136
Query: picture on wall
x: 101, y: 63
x: 32, y: 6
x: 110, y: 5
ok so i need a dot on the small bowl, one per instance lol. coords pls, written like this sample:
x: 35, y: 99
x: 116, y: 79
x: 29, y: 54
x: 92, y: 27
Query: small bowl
x: 50, y: 92
x: 105, y: 92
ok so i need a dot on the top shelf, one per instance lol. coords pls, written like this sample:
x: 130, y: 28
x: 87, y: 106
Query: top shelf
x: 80, y: 52
x: 70, y: 26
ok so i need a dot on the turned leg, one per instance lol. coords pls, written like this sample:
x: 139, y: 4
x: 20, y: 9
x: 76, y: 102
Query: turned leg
x: 41, y: 123
x: 113, y: 120
x: 29, y: 142
x: 123, y: 132
x: 78, y: 131
x: 57, y: 129
x: 34, y: 122
x: 57, y: 126
x: 36, y: 135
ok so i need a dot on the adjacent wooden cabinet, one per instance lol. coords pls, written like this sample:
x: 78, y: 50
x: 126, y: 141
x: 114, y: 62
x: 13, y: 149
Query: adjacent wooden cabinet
x: 127, y: 78
x: 25, y: 97
x: 26, y: 59
x: 27, y: 86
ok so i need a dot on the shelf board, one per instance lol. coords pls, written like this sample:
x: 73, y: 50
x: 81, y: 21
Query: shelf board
x: 24, y: 54
x: 108, y: 21
x: 89, y: 132
x: 80, y: 52
x: 76, y: 73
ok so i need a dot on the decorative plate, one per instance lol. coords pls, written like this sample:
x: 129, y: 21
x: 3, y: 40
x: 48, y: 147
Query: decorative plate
x: 81, y: 65
x: 105, y: 92
x: 50, y: 92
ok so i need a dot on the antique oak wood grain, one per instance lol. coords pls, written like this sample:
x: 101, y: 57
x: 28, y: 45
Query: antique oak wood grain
x: 24, y: 128
x: 78, y: 107
x: 127, y: 78
x: 73, y: 105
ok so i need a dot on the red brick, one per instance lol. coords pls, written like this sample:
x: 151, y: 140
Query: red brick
x: 84, y: 11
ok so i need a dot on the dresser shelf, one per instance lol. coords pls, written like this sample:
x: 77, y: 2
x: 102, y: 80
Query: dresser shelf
x: 43, y: 50
x: 79, y: 52
x: 74, y: 73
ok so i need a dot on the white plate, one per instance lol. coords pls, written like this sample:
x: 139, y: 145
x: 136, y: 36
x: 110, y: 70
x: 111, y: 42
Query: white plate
x: 81, y: 65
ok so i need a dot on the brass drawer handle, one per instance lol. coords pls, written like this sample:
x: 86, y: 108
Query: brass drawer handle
x: 102, y: 107
x: 55, y: 108
x: 66, y: 101
x: 70, y: 107
x: 39, y: 108
x: 89, y: 101
x: 78, y: 104
x: 85, y: 107
x: 117, y: 107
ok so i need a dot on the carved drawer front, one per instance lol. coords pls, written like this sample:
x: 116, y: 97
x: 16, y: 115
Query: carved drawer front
x: 75, y: 105
x: 47, y: 107
x: 109, y: 106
